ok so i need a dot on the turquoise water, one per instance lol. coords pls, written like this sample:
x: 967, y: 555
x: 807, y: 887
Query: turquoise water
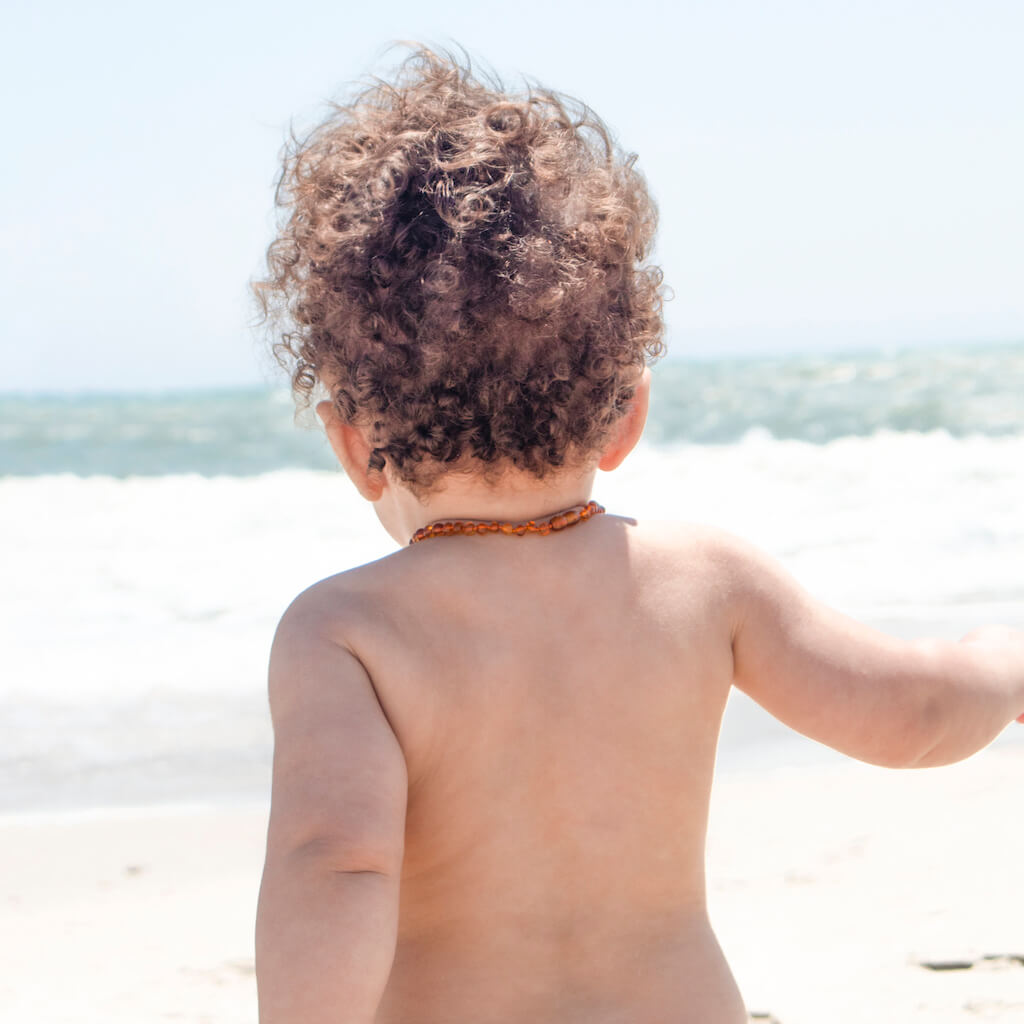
x: 976, y: 391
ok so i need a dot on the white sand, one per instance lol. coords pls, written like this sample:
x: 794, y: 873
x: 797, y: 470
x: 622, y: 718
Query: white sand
x: 827, y: 885
x: 143, y: 917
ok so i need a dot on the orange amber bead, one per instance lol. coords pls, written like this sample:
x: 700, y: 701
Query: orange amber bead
x: 559, y: 521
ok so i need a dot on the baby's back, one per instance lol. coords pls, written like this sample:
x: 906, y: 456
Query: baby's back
x: 557, y: 701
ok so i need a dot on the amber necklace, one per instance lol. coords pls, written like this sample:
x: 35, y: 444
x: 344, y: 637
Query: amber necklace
x: 559, y: 521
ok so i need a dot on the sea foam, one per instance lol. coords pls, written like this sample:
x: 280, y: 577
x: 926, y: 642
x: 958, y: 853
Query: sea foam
x: 138, y: 612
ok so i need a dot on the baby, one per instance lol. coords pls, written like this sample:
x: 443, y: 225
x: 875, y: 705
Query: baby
x: 494, y: 748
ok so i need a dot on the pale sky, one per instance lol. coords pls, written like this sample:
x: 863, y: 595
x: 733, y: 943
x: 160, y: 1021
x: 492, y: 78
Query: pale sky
x: 829, y: 174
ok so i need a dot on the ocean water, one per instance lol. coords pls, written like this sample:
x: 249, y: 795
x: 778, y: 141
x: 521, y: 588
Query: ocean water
x: 149, y: 544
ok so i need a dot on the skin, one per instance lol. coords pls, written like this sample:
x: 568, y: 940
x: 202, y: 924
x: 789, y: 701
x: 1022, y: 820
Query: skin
x: 493, y: 755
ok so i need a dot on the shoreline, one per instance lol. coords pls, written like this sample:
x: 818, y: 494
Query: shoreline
x: 751, y: 741
x: 752, y: 744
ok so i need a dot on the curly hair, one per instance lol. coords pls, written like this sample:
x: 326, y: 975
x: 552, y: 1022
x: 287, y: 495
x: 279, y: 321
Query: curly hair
x: 463, y: 268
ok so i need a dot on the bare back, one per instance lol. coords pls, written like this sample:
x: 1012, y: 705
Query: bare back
x: 493, y: 758
x: 557, y: 701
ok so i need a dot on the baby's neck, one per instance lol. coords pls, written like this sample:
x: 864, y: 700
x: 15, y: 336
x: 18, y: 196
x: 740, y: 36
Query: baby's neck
x: 514, y: 497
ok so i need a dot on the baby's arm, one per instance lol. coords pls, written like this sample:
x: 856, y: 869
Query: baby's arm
x: 882, y: 700
x: 328, y: 910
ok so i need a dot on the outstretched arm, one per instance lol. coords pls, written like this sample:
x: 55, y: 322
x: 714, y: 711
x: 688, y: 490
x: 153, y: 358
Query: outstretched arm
x: 882, y: 700
x: 328, y: 910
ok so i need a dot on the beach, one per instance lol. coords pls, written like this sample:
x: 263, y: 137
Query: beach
x: 151, y: 547
x: 830, y: 887
x: 820, y: 204
x: 130, y: 915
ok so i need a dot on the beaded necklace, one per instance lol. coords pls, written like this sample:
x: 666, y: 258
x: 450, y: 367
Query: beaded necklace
x: 559, y: 521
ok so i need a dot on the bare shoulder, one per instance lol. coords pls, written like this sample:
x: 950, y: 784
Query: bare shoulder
x: 729, y: 562
x: 698, y: 552
x: 687, y: 539
x: 334, y: 607
x: 346, y: 623
x: 317, y: 657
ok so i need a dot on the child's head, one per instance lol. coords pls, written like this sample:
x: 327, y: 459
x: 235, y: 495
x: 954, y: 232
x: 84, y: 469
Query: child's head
x: 463, y: 269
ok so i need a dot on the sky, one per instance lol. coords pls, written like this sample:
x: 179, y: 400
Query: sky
x: 830, y: 175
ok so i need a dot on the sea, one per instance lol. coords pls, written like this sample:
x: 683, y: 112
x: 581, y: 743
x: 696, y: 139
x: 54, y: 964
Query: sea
x: 149, y: 543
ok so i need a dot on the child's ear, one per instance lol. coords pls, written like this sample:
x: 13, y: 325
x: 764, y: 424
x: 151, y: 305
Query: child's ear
x: 630, y: 426
x: 353, y: 452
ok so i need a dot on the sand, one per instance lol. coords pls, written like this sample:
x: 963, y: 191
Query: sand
x: 140, y: 916
x: 829, y: 886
